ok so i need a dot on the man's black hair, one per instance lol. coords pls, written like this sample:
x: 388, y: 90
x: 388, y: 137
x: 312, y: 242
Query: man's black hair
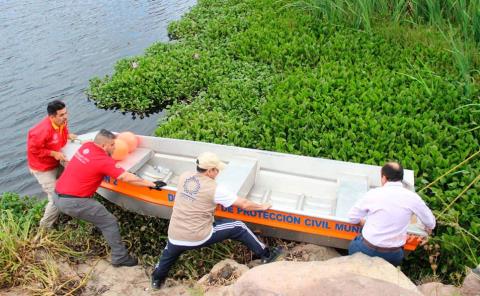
x: 103, y: 135
x: 107, y: 134
x: 393, y: 171
x: 55, y: 106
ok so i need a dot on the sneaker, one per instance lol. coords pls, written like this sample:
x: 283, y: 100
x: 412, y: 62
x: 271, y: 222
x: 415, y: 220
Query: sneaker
x: 275, y: 254
x: 157, y: 284
x: 130, y: 261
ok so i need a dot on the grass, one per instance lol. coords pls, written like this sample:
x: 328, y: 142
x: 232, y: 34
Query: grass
x: 32, y: 258
x: 464, y: 15
x: 457, y: 20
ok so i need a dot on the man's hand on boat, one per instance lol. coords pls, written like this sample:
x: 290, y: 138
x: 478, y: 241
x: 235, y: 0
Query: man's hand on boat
x: 248, y: 205
x: 58, y: 155
x: 158, y: 185
x: 136, y: 180
x: 72, y: 137
x: 424, y: 239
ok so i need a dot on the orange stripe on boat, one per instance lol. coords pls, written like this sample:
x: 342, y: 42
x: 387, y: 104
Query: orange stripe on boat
x: 271, y: 218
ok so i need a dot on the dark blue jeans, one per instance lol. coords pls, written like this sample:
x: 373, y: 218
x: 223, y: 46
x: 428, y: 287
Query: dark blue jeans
x: 357, y: 245
x: 222, y: 229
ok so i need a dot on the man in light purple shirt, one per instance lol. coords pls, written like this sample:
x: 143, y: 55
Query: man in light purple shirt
x: 385, y: 214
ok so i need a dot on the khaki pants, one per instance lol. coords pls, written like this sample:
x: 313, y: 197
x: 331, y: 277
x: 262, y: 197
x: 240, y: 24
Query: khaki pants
x: 47, y: 180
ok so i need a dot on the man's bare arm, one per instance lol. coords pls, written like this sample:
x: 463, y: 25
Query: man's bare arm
x: 248, y: 205
x: 135, y: 180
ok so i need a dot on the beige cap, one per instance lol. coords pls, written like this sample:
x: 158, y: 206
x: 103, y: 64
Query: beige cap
x: 209, y: 160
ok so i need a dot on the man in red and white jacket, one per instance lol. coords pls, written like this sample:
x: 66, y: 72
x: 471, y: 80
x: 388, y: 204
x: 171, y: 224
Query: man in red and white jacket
x: 44, y: 142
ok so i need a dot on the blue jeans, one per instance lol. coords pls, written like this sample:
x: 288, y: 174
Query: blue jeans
x: 222, y: 229
x: 357, y: 245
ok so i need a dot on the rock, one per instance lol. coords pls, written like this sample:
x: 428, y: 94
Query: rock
x: 254, y: 263
x: 310, y: 252
x: 68, y: 271
x: 223, y: 273
x: 349, y: 275
x: 107, y: 280
x: 15, y: 291
x: 180, y: 290
x: 239, y: 268
x: 438, y: 289
x: 346, y: 284
x: 471, y: 285
x: 219, y: 291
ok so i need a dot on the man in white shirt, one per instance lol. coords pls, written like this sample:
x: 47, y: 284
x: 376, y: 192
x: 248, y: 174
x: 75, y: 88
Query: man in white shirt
x: 385, y: 214
x: 192, y: 225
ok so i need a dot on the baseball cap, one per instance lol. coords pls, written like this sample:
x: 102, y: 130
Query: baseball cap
x: 209, y: 160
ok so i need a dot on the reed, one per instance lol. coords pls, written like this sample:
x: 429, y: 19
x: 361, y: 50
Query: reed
x: 457, y: 20
x: 399, y: 10
x: 464, y: 15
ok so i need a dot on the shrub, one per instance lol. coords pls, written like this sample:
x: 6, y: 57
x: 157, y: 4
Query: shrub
x: 30, y: 258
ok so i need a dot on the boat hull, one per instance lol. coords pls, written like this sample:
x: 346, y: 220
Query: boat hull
x: 296, y: 227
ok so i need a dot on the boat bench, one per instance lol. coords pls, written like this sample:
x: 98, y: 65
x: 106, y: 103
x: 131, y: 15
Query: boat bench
x: 136, y: 159
x: 239, y: 175
x: 350, y: 189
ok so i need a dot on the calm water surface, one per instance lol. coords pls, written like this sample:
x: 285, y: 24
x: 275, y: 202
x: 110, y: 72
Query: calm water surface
x: 50, y: 49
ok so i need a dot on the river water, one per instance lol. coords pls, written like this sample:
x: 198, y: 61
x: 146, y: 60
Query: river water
x: 50, y: 49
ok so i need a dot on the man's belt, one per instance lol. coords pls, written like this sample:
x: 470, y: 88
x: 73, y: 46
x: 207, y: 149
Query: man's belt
x: 380, y: 249
x: 70, y: 196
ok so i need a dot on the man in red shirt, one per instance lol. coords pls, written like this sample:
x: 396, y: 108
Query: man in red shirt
x: 44, y: 142
x: 82, y: 177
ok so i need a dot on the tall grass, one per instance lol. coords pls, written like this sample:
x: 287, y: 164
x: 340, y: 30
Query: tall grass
x: 463, y: 14
x: 457, y: 20
x: 29, y: 257
x: 32, y: 261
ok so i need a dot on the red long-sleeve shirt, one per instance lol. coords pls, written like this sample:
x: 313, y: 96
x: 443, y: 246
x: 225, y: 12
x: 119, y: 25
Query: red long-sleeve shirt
x: 41, y: 140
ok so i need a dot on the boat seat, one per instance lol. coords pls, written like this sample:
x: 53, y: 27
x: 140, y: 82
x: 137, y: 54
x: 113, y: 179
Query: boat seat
x: 136, y: 159
x: 239, y: 175
x: 350, y: 189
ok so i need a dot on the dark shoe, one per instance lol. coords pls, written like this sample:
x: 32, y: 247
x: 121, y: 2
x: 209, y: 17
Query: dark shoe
x: 157, y: 284
x: 130, y: 261
x: 274, y: 255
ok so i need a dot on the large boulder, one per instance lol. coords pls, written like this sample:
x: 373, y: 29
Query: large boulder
x: 219, y: 291
x: 104, y: 279
x: 310, y: 252
x: 15, y: 291
x: 471, y: 284
x: 438, y: 289
x: 349, y: 275
x: 223, y: 273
